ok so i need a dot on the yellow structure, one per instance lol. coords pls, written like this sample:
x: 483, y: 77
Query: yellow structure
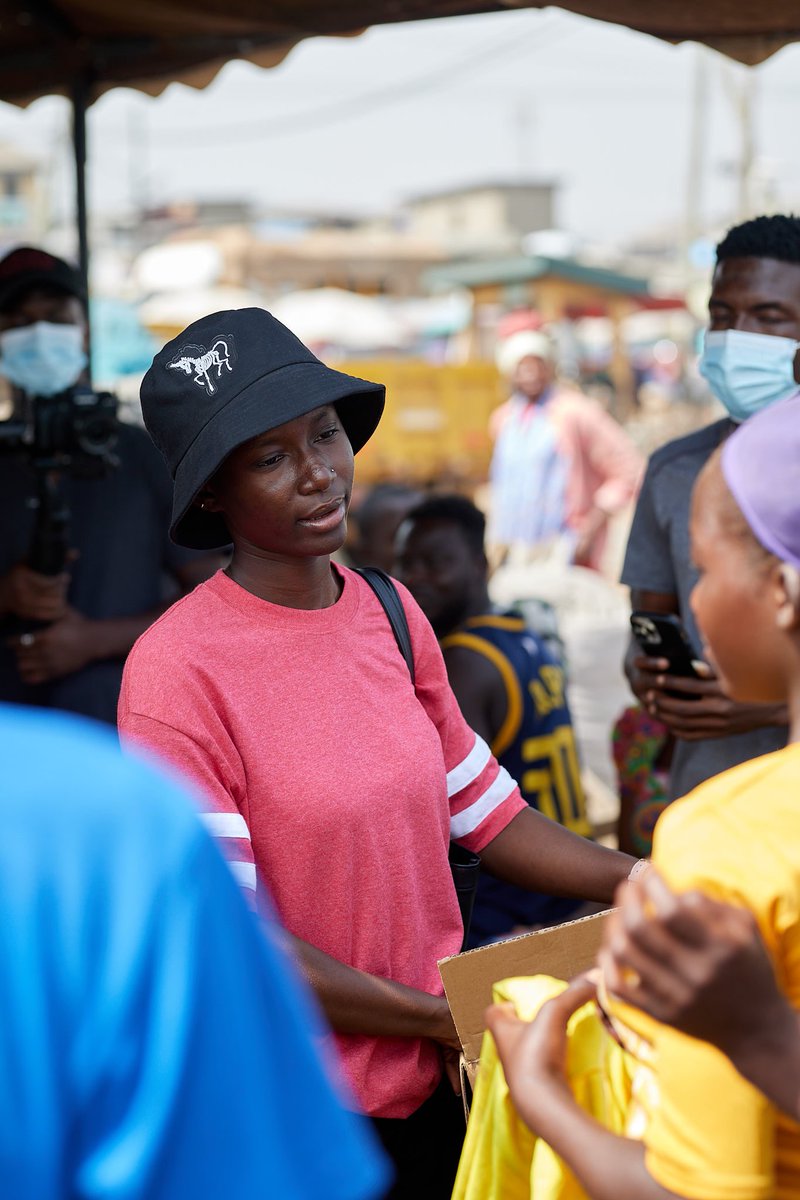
x: 436, y: 424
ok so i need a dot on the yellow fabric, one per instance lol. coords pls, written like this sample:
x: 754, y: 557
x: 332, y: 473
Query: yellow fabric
x: 709, y: 1134
x: 502, y: 1159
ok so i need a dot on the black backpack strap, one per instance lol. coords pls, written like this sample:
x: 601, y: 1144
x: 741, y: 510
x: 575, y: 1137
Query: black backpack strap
x: 464, y: 865
x: 383, y: 587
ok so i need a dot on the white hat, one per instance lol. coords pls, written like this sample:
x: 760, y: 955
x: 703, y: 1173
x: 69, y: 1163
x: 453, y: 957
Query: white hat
x: 528, y: 343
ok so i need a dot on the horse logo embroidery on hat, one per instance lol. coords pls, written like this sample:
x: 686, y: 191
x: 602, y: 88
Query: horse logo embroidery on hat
x: 202, y: 362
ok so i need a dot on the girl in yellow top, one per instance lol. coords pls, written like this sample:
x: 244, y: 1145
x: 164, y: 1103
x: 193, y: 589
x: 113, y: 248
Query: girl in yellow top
x: 697, y: 1129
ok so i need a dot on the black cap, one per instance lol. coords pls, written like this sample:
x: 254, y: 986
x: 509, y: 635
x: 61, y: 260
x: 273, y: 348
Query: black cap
x: 26, y: 268
x: 227, y: 378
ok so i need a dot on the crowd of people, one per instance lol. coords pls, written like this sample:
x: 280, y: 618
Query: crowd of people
x: 336, y: 745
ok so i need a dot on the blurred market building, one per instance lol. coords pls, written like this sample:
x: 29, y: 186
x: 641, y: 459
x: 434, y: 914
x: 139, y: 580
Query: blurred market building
x: 418, y: 296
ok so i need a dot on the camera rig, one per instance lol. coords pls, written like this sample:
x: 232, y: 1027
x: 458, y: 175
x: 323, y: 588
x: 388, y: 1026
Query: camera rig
x: 70, y: 434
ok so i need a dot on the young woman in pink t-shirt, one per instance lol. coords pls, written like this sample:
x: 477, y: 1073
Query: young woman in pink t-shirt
x: 331, y: 780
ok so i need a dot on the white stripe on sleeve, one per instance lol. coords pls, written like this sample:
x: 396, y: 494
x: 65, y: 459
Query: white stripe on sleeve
x: 469, y: 768
x: 465, y: 822
x: 226, y: 825
x: 244, y: 873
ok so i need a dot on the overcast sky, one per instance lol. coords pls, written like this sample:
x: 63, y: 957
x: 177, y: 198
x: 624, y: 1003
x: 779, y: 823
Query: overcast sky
x: 359, y: 124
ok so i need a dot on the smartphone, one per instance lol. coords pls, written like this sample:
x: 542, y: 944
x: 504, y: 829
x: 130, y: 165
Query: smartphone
x: 662, y: 635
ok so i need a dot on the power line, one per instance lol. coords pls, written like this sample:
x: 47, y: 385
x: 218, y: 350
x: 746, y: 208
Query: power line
x: 358, y: 106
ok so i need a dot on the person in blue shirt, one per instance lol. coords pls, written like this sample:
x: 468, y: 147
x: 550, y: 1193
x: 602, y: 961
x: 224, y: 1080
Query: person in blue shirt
x: 154, y: 1044
x: 509, y: 686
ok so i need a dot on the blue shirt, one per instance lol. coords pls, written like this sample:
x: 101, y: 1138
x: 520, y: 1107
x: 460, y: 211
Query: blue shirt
x: 153, y: 1045
x: 528, y: 475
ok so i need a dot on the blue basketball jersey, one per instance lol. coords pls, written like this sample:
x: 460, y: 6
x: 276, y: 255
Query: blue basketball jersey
x: 536, y: 745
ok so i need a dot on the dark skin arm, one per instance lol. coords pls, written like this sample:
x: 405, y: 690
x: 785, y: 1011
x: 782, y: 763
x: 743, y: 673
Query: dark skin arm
x: 479, y: 689
x: 542, y: 856
x: 356, y: 1002
x: 533, y: 1055
x: 703, y: 710
x: 532, y: 851
x: 700, y: 965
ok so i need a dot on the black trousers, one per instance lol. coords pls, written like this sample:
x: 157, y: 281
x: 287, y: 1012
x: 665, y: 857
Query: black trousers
x: 425, y: 1147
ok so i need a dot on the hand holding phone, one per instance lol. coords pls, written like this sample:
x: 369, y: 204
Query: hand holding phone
x: 678, y: 687
x: 663, y: 636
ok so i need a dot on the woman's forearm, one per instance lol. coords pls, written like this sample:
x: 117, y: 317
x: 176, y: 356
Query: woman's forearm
x: 356, y: 1002
x: 609, y: 1167
x: 541, y: 855
x: 770, y: 1059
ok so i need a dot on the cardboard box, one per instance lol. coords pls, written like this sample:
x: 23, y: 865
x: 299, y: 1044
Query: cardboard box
x: 563, y: 951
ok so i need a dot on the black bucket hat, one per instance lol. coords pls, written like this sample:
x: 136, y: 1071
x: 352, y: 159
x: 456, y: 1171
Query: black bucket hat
x: 227, y: 378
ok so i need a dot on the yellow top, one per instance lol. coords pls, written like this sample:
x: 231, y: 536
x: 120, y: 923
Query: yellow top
x: 709, y: 1134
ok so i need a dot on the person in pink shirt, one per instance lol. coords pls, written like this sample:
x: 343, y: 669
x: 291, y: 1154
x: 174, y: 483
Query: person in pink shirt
x: 561, y: 465
x: 330, y: 778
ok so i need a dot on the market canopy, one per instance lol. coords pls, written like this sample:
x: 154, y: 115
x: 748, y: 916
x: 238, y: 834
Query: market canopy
x: 46, y: 45
x: 742, y: 29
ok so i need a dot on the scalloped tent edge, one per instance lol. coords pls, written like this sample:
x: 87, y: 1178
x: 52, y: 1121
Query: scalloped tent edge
x: 83, y: 48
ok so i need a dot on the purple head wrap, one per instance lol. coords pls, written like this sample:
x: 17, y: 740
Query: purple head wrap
x: 761, y: 466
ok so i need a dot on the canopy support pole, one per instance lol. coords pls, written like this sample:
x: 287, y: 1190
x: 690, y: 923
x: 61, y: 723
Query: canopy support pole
x: 80, y: 103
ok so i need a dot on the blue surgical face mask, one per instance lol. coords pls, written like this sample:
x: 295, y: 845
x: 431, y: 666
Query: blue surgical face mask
x: 43, y: 359
x: 748, y: 371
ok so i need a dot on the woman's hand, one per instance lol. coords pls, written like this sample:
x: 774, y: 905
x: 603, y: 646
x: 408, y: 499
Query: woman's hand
x: 687, y: 960
x: 703, y: 709
x: 441, y: 1026
x: 533, y: 1053
x: 700, y: 966
x: 357, y: 1002
x: 443, y: 1031
x: 451, y: 1061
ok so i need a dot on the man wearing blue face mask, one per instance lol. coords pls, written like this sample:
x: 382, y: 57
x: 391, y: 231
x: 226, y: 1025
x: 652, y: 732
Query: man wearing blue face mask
x: 123, y: 569
x: 750, y: 360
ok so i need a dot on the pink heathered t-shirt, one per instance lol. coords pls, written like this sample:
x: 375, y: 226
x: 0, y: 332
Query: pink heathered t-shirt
x: 321, y: 765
